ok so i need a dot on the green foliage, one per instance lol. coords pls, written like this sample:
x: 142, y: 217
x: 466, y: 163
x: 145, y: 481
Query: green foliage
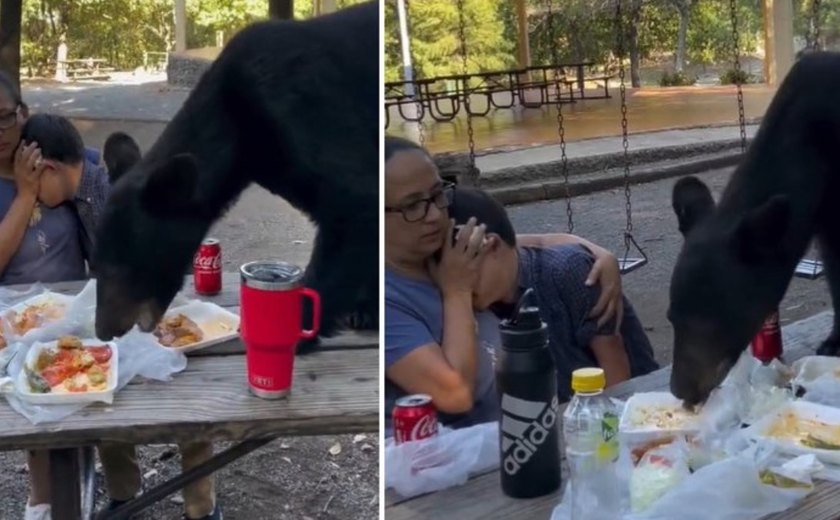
x: 676, y: 79
x: 121, y: 30
x: 731, y: 76
x: 435, y: 42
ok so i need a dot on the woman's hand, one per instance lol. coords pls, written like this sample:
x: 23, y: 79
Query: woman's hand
x: 606, y: 272
x: 28, y: 167
x: 458, y: 270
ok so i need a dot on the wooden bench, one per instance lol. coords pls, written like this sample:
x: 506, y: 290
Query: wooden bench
x: 86, y: 69
x: 482, y: 497
x: 335, y: 391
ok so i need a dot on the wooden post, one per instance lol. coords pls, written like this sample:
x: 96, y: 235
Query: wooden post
x: 778, y: 39
x: 523, y: 46
x: 282, y: 9
x: 11, y: 13
x: 180, y: 25
x: 327, y: 6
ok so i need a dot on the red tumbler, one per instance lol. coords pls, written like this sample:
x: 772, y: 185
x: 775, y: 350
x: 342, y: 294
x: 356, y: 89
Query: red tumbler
x: 271, y: 324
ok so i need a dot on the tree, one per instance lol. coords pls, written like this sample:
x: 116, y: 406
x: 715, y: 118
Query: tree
x: 683, y: 8
x: 282, y: 9
x: 11, y: 12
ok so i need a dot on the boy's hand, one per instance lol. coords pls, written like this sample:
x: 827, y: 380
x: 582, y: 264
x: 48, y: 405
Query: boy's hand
x: 458, y: 270
x: 606, y: 272
x: 28, y: 167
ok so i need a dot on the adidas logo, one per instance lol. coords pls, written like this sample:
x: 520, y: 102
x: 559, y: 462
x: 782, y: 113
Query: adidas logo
x: 521, y: 439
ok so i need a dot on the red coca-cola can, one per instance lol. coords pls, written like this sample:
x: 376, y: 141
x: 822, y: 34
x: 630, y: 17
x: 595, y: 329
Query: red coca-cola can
x: 414, y: 418
x: 767, y: 344
x: 207, y: 267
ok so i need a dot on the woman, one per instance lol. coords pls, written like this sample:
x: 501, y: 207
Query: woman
x: 435, y: 343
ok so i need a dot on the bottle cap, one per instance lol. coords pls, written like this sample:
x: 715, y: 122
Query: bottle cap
x: 588, y: 380
x: 524, y: 330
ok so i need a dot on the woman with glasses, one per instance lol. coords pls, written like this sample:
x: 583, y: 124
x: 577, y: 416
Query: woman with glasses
x: 435, y: 343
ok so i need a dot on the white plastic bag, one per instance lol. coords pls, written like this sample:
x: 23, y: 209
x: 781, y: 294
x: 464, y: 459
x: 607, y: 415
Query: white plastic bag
x: 139, y: 353
x: 441, y: 462
x: 660, y: 470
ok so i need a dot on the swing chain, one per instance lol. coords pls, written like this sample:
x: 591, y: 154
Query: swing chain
x: 421, y: 130
x: 462, y: 36
x: 619, y: 21
x: 561, y: 127
x: 815, y: 25
x: 733, y: 8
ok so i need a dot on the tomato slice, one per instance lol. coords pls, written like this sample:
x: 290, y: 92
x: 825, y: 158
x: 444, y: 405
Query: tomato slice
x: 100, y: 354
x: 54, y: 375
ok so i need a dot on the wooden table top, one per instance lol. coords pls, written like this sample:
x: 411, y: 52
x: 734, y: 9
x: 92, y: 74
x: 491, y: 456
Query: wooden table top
x: 335, y: 390
x: 482, y: 497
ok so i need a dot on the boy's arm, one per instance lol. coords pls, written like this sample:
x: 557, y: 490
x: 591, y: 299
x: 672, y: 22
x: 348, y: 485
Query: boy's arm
x: 568, y: 275
x: 612, y: 357
x: 605, y: 272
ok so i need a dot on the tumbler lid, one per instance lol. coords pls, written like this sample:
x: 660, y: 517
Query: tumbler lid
x: 270, y: 275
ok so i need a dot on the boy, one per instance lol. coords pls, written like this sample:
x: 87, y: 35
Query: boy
x: 557, y: 275
x: 70, y: 177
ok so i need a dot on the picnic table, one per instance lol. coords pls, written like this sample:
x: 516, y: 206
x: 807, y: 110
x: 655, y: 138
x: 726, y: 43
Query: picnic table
x: 482, y: 497
x: 335, y: 391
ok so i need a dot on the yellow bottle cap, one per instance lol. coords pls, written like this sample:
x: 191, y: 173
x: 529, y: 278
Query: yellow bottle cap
x: 588, y: 380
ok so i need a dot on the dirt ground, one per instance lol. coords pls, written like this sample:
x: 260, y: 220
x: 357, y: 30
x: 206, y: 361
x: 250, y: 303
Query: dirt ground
x: 291, y: 478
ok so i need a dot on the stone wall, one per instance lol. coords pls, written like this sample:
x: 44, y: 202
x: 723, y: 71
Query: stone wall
x: 185, y: 69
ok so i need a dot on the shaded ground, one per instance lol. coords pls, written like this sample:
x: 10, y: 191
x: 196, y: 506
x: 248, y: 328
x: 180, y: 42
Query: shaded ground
x: 291, y: 478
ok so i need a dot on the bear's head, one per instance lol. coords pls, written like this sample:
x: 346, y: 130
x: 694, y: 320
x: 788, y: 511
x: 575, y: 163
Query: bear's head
x: 719, y: 288
x: 150, y: 230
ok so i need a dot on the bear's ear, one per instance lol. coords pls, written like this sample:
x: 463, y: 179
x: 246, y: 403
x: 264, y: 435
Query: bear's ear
x: 692, y: 202
x: 762, y: 230
x: 170, y: 189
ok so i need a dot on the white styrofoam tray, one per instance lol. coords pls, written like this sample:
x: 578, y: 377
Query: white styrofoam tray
x: 217, y: 323
x: 806, y: 410
x: 105, y: 396
x: 44, y: 297
x: 630, y: 431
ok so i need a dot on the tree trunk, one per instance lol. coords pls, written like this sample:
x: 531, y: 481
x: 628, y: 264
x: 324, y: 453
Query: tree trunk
x: 282, y: 9
x: 11, y: 12
x: 684, y: 10
x: 633, y: 43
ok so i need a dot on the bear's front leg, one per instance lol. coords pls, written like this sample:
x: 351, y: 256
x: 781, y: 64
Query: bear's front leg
x: 829, y: 246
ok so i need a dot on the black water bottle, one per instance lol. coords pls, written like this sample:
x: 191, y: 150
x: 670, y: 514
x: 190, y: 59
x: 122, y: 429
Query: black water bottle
x: 529, y: 424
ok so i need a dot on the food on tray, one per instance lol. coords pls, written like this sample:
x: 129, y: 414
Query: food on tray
x: 808, y: 432
x: 664, y: 417
x: 178, y: 331
x: 771, y: 478
x: 659, y: 471
x: 70, y: 367
x: 35, y: 315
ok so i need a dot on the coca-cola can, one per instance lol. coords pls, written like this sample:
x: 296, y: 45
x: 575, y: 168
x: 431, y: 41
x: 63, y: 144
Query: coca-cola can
x: 207, y: 267
x: 767, y: 344
x: 415, y: 418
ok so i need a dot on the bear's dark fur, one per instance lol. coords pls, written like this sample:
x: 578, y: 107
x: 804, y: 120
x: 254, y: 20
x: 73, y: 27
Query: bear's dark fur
x: 292, y: 106
x: 739, y: 258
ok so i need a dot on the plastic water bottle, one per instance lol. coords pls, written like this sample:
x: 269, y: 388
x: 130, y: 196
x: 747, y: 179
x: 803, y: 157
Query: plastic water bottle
x: 529, y: 436
x: 590, y: 432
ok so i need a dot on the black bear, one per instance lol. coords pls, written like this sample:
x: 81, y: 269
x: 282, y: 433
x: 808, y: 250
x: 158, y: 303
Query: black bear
x: 292, y: 106
x: 738, y: 258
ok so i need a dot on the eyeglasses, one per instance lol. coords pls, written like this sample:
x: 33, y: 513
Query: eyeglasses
x: 9, y: 119
x: 418, y: 209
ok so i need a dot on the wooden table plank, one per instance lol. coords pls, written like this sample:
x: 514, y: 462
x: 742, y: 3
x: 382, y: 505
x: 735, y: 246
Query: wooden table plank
x: 333, y: 392
x: 482, y: 497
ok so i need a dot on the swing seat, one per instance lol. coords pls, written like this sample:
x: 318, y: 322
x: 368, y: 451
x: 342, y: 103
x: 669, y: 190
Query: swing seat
x: 810, y: 269
x: 626, y: 265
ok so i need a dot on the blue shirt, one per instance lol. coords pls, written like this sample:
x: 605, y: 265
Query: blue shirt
x: 50, y: 250
x: 558, y: 277
x: 413, y: 318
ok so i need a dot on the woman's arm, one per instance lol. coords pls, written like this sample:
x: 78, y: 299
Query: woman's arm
x: 612, y: 357
x: 14, y: 223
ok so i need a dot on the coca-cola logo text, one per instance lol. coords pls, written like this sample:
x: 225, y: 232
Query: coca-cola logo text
x: 424, y: 428
x: 208, y: 263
